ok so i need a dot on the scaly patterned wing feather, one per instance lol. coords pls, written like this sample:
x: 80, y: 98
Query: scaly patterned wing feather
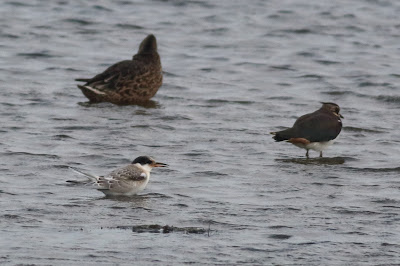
x: 112, y: 77
x: 128, y: 173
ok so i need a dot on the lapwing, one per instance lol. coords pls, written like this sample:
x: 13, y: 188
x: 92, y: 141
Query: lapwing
x: 314, y: 131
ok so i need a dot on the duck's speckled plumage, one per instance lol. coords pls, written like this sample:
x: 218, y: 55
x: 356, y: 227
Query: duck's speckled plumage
x: 129, y: 81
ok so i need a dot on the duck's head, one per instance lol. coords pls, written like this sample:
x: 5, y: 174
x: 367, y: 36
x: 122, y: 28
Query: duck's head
x: 148, y: 45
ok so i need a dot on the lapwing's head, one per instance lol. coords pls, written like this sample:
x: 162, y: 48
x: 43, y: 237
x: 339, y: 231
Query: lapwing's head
x: 333, y: 108
x: 147, y: 161
x: 148, y: 45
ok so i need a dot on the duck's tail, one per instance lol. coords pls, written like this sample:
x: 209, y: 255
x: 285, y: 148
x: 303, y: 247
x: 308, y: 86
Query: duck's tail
x: 94, y: 95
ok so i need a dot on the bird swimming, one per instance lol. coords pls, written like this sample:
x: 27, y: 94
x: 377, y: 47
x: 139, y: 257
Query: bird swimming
x: 314, y: 131
x: 130, y: 81
x: 125, y: 181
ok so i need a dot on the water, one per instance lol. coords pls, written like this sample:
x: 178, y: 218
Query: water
x: 234, y: 71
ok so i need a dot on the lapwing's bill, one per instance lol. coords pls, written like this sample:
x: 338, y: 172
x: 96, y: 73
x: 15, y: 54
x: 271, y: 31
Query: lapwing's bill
x: 314, y: 131
x: 125, y: 181
x: 128, y: 82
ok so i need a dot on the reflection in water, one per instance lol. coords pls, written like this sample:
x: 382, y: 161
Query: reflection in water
x: 136, y: 201
x: 141, y: 200
x: 315, y: 161
x: 150, y: 104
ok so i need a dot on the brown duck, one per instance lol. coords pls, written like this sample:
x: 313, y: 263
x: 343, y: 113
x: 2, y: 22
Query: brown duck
x: 130, y: 81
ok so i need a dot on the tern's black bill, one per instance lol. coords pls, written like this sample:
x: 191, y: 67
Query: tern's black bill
x: 160, y: 165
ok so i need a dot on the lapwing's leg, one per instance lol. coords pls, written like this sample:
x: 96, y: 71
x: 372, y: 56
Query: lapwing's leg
x: 320, y: 154
x: 307, y: 154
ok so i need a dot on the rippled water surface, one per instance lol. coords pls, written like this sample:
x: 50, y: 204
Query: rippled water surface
x: 233, y: 72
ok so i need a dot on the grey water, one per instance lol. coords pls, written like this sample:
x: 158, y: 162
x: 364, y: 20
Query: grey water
x: 233, y: 72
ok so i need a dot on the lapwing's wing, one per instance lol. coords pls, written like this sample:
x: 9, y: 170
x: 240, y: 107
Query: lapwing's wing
x: 318, y: 126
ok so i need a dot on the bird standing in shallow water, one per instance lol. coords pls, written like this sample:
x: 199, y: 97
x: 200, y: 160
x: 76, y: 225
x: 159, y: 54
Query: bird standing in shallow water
x: 314, y: 131
x: 125, y: 181
x: 128, y: 82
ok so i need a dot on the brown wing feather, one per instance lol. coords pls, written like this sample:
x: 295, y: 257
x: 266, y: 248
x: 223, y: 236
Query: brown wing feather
x: 108, y: 79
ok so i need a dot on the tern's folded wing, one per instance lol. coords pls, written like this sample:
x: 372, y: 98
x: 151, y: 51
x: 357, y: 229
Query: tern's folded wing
x: 128, y: 173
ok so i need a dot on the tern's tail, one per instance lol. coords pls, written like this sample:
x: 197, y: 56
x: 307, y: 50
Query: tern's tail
x: 90, y: 176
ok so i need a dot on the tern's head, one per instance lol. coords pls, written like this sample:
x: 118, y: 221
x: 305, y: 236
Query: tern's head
x: 332, y: 107
x: 148, y: 161
x: 148, y: 45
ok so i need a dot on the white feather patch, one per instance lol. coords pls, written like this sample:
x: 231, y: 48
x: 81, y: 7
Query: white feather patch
x: 94, y: 90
